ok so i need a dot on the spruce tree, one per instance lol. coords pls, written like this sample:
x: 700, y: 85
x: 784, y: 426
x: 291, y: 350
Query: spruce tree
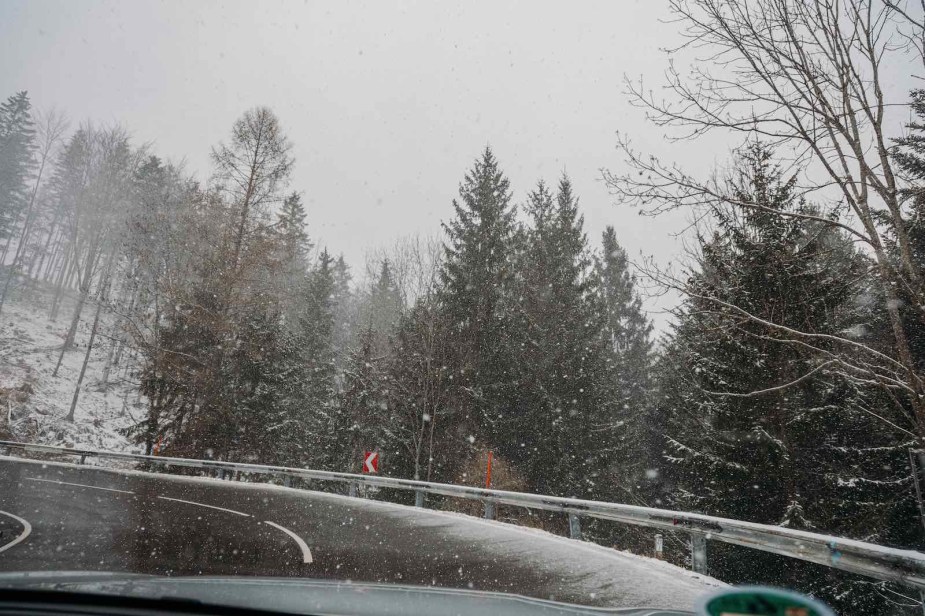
x: 756, y: 428
x: 427, y: 431
x: 909, y: 154
x: 383, y: 309
x: 476, y: 272
x: 291, y: 248
x: 344, y: 308
x: 363, y: 416
x: 17, y: 142
x: 315, y: 341
x: 291, y: 233
x: 362, y: 420
x: 629, y: 348
x: 560, y: 426
x: 267, y: 378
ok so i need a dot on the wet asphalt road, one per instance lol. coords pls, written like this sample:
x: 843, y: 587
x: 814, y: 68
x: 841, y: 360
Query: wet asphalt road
x: 88, y: 519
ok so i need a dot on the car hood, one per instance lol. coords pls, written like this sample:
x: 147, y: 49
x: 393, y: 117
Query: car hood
x: 307, y: 596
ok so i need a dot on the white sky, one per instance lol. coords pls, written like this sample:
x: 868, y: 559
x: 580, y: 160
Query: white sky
x: 387, y: 103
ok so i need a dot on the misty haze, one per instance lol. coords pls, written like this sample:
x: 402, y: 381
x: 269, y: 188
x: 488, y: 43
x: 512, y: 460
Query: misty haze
x: 606, y: 303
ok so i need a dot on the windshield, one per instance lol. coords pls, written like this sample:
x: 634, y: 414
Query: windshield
x: 611, y: 304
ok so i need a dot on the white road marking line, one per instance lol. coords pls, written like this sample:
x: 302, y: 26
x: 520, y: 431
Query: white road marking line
x: 26, y: 530
x: 179, y: 500
x: 306, y: 553
x: 79, y: 485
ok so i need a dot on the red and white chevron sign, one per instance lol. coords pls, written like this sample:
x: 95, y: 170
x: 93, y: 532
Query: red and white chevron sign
x: 371, y: 462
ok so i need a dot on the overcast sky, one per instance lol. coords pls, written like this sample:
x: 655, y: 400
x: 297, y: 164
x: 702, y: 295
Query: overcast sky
x: 387, y: 103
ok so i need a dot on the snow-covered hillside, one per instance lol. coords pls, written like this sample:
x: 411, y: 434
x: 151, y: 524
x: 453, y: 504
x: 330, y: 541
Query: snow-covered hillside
x: 35, y: 403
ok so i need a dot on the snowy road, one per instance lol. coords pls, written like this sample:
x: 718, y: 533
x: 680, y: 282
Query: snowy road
x: 81, y: 518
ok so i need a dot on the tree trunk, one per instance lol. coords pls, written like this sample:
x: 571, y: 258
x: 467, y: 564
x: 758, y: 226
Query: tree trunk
x: 72, y: 272
x: 105, y: 282
x: 84, y: 293
x: 30, y: 216
x: 83, y: 368
x: 72, y: 330
x: 6, y: 285
x: 23, y: 238
x: 108, y: 367
x: 6, y: 248
x: 53, y: 233
x: 59, y: 283
x: 118, y: 338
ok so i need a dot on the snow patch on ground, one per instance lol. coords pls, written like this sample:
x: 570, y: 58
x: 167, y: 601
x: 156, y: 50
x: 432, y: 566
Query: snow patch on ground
x: 36, y: 402
x: 593, y: 568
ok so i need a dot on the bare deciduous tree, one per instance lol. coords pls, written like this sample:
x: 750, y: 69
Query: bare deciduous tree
x: 415, y: 263
x: 807, y: 78
x: 252, y: 169
x: 50, y: 128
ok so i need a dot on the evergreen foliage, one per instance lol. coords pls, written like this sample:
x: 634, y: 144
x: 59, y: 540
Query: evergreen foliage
x: 17, y: 143
x: 477, y: 270
x: 249, y: 344
x: 759, y: 429
x: 562, y: 407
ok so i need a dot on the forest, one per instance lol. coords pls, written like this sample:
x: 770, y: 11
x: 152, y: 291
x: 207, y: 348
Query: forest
x: 788, y: 390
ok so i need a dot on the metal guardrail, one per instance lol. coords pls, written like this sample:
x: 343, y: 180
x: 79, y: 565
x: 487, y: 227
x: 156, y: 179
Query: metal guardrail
x: 883, y: 563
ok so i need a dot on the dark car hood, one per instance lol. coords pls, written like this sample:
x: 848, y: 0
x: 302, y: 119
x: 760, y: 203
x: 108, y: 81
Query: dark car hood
x: 301, y: 596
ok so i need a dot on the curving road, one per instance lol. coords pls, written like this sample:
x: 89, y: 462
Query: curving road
x: 66, y: 517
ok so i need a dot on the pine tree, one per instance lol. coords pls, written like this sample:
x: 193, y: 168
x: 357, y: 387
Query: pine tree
x: 362, y: 422
x: 292, y: 247
x: 266, y: 377
x: 425, y: 430
x: 363, y: 416
x: 560, y: 422
x: 186, y: 376
x: 227, y: 366
x: 291, y: 233
x: 316, y: 344
x: 476, y: 273
x: 17, y: 142
x: 165, y: 242
x: 755, y: 428
x: 909, y: 154
x: 47, y: 136
x: 383, y: 308
x: 345, y: 310
x: 627, y: 331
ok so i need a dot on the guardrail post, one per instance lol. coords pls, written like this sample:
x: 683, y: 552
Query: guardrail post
x: 352, y: 492
x: 699, y: 553
x: 287, y: 481
x: 82, y: 459
x: 574, y: 526
x: 418, y: 498
x: 489, y: 510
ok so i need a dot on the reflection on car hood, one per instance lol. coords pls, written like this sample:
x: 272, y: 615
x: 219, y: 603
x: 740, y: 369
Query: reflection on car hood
x: 306, y: 596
